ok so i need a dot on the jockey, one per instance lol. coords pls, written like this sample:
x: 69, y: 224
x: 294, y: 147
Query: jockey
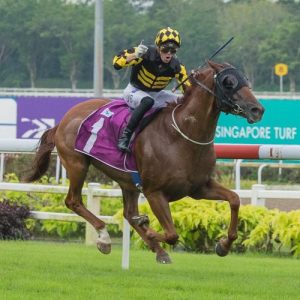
x: 153, y: 68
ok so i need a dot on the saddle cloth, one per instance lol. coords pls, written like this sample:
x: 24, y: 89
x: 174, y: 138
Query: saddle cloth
x: 98, y: 136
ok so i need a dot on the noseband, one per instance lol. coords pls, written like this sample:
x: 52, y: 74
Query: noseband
x: 228, y: 81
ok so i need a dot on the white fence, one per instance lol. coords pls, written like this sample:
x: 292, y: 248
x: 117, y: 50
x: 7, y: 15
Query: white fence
x: 116, y: 93
x: 258, y: 194
x: 93, y: 192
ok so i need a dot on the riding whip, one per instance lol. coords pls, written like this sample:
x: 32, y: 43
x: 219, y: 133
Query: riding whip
x: 212, y: 56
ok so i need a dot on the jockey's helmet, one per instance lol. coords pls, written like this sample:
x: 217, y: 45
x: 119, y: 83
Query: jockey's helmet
x: 168, y: 35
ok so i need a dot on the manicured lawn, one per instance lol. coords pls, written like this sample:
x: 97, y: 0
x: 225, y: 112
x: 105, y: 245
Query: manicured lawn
x: 44, y: 270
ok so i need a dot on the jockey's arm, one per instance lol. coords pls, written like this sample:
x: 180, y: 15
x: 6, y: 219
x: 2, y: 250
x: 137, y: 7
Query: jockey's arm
x: 130, y: 57
x: 182, y: 76
x: 126, y: 58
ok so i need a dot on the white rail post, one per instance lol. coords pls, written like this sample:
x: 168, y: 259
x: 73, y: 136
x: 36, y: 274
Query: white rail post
x: 255, y: 199
x: 2, y: 166
x: 126, y: 238
x: 94, y: 207
x: 238, y: 174
x: 259, y: 173
x: 126, y: 245
x: 63, y: 175
x: 57, y: 171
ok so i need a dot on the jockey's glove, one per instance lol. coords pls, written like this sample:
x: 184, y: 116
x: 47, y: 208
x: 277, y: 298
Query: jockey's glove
x: 140, y: 50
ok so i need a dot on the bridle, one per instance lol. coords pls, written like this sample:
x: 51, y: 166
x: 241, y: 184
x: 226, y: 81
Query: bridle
x: 224, y: 95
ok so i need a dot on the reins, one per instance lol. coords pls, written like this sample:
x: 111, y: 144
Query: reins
x: 224, y: 101
x: 175, y: 125
x: 211, y: 57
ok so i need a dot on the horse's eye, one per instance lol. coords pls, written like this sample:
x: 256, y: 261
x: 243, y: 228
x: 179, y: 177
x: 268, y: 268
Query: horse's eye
x: 230, y: 82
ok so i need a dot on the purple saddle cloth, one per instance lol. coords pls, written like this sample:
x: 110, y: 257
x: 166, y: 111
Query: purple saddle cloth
x: 98, y: 136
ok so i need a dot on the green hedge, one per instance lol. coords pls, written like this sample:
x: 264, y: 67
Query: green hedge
x: 201, y: 223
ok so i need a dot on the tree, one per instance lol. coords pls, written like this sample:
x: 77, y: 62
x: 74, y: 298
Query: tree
x: 28, y: 25
x: 6, y: 37
x: 250, y: 24
x: 282, y: 46
x: 198, y: 25
x: 73, y: 26
x: 124, y: 28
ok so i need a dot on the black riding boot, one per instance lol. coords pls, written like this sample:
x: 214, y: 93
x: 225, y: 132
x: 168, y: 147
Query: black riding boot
x: 136, y: 117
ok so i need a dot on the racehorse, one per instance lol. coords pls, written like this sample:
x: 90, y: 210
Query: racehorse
x: 175, y: 156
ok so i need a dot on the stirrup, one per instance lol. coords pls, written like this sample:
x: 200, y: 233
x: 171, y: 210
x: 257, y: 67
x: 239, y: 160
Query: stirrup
x: 124, y: 140
x: 123, y: 145
x: 124, y: 148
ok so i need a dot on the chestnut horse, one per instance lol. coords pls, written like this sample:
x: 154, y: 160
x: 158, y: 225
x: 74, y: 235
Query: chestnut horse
x: 174, y: 154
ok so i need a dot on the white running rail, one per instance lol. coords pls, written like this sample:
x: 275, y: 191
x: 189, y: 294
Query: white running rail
x: 93, y: 192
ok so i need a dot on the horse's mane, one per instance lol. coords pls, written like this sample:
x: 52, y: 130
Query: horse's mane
x: 189, y: 89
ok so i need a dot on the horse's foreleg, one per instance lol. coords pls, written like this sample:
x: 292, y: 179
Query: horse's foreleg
x: 215, y: 191
x: 131, y: 213
x: 161, y: 209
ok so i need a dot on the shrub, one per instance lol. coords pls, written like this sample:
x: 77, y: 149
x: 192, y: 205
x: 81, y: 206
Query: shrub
x: 12, y: 220
x: 279, y: 230
x: 200, y: 224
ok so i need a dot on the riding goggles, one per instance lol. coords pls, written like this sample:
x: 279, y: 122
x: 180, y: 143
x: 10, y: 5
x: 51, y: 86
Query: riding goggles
x: 168, y: 49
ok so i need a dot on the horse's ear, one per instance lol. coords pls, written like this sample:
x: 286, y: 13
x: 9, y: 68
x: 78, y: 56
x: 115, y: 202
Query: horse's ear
x: 214, y: 66
x: 227, y: 64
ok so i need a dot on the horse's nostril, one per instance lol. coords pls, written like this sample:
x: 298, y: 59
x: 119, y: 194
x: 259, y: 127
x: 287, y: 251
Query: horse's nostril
x: 257, y: 110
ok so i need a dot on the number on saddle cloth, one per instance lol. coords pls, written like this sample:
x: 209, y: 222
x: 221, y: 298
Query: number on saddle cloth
x: 99, y: 132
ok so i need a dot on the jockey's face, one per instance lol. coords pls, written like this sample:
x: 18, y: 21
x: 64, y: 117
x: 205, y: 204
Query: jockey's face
x: 167, y: 52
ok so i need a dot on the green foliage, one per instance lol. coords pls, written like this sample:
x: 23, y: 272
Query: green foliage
x: 201, y: 223
x: 39, y: 48
x: 281, y: 229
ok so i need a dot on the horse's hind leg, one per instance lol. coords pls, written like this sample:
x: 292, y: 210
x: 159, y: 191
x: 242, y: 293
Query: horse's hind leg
x: 215, y: 191
x: 77, y: 168
x: 130, y: 200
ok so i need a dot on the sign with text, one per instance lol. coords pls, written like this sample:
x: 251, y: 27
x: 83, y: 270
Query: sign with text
x: 29, y: 116
x: 280, y: 125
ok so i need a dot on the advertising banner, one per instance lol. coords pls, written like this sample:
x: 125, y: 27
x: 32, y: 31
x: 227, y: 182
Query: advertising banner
x: 280, y: 125
x: 29, y: 116
x: 37, y: 114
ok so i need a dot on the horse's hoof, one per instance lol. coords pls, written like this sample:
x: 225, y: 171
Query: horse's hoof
x: 104, y: 241
x: 220, y: 250
x: 104, y: 248
x: 163, y: 258
x: 141, y: 220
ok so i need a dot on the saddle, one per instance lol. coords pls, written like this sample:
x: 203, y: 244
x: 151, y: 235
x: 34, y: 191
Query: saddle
x: 98, y: 135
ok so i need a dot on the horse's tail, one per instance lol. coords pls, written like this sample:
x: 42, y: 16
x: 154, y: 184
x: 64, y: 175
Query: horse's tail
x: 42, y: 157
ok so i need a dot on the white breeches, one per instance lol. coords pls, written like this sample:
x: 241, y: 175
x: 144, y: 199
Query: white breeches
x: 133, y: 97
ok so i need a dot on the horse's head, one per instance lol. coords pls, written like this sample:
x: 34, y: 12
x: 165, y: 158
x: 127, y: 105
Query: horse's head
x: 233, y: 94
